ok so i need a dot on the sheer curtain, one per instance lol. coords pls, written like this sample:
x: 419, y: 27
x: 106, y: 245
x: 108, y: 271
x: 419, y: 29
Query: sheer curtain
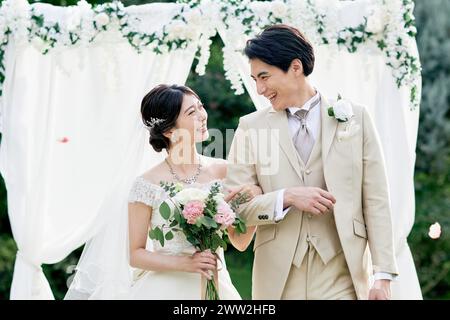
x: 364, y: 78
x: 367, y: 80
x: 73, y: 141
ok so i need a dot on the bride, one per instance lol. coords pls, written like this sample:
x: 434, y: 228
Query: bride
x: 123, y: 263
x: 177, y: 121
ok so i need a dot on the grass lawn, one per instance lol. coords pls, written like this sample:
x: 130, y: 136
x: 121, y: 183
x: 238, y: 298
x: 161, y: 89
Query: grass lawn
x: 239, y: 266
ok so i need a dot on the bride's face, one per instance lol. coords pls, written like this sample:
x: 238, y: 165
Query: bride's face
x: 192, y: 121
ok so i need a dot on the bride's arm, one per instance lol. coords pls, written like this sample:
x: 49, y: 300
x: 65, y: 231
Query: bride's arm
x: 139, y: 216
x: 241, y: 241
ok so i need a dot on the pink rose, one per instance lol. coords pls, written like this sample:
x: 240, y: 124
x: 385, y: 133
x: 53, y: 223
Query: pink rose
x: 193, y: 210
x: 224, y: 216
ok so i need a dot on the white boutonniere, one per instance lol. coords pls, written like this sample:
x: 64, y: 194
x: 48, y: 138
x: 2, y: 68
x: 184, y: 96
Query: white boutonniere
x: 342, y: 111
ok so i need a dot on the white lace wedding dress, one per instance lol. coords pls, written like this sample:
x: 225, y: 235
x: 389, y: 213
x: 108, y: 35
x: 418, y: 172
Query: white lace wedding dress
x: 171, y: 285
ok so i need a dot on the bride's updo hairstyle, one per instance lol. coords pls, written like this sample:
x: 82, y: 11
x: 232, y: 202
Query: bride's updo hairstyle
x: 160, y: 109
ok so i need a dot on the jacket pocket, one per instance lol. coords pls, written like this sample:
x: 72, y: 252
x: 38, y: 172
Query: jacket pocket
x: 264, y: 235
x: 359, y: 229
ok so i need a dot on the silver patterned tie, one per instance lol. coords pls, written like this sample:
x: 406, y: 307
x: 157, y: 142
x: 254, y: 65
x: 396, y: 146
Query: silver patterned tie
x: 303, y: 138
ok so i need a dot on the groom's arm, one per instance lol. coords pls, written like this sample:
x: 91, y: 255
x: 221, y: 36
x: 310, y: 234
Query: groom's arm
x: 376, y: 204
x: 241, y: 170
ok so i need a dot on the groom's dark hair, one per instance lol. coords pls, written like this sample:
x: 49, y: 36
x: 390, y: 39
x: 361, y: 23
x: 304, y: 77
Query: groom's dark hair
x: 278, y: 45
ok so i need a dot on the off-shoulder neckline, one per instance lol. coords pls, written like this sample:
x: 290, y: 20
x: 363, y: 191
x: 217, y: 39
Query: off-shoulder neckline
x: 148, y: 182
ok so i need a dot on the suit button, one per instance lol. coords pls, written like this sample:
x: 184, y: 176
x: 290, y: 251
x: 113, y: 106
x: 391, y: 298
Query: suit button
x: 307, y: 238
x: 309, y: 215
x: 308, y: 171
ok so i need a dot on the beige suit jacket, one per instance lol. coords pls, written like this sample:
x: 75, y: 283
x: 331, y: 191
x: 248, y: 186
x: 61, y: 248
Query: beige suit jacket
x: 354, y: 173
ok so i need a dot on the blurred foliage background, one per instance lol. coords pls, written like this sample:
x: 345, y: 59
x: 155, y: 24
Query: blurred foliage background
x: 432, y: 257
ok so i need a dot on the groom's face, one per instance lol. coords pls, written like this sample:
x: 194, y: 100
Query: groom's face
x: 276, y: 85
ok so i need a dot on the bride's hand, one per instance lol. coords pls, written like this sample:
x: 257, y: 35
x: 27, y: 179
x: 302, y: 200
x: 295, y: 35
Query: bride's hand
x: 200, y: 262
x: 250, y: 190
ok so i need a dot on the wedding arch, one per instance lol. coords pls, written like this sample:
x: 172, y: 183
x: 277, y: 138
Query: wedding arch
x: 71, y: 78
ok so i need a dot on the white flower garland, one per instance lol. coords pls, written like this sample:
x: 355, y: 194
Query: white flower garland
x: 389, y: 26
x: 397, y: 43
x: 393, y: 33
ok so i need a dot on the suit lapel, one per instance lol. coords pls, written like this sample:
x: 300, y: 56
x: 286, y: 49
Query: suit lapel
x: 334, y: 177
x: 278, y: 120
x: 329, y: 126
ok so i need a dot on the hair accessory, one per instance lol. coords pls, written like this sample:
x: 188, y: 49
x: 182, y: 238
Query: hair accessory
x: 153, y: 122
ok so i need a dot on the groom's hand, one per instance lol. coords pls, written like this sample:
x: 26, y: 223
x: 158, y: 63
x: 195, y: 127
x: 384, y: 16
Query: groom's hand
x: 381, y: 290
x: 310, y: 199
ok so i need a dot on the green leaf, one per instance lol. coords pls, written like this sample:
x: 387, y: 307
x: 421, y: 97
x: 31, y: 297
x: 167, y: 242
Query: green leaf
x: 177, y: 216
x: 208, y: 212
x: 224, y: 245
x: 216, y: 241
x: 169, y: 235
x: 207, y: 222
x: 39, y: 20
x: 241, y: 227
x: 159, y: 236
x: 381, y: 44
x: 164, y: 210
x: 152, y: 234
x: 161, y: 240
x: 174, y: 223
x: 331, y: 112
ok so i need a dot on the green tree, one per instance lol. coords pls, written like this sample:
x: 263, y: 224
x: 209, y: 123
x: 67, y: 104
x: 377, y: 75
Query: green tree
x: 432, y: 185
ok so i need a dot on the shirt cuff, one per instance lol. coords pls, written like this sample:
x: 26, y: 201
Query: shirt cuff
x: 279, y: 212
x: 384, y: 276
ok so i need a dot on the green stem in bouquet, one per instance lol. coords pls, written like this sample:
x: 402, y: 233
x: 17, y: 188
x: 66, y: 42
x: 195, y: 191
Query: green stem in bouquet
x: 211, y: 291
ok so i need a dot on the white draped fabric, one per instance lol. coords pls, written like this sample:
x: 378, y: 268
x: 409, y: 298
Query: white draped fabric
x: 73, y: 141
x: 364, y: 78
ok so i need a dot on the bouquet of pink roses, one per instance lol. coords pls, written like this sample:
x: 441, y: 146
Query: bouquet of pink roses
x: 203, y: 217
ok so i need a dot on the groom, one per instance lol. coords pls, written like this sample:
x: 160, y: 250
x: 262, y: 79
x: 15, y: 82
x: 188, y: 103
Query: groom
x: 327, y: 203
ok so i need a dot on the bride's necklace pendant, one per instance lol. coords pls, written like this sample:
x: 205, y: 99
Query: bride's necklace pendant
x: 190, y: 180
